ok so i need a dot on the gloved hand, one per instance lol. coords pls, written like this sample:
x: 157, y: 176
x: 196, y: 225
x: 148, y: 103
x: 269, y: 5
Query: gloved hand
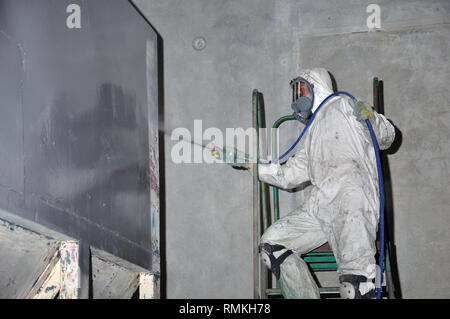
x: 363, y: 111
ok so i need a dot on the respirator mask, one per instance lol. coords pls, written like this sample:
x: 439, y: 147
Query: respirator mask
x: 302, y: 99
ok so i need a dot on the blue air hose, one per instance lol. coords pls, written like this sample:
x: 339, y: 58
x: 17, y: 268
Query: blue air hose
x: 380, y: 181
x: 307, y: 125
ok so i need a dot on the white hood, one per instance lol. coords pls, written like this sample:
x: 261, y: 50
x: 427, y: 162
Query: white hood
x: 322, y: 84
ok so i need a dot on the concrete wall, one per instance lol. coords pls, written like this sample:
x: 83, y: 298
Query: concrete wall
x: 263, y: 44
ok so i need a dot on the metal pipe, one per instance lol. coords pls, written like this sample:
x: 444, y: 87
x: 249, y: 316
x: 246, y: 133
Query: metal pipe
x: 261, y: 154
x: 264, y: 198
x: 379, y: 106
x: 256, y: 196
x: 375, y: 94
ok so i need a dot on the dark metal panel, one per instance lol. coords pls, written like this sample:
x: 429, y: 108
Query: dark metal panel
x: 74, y: 126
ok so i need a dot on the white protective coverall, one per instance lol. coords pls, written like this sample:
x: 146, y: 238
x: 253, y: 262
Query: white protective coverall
x: 342, y: 204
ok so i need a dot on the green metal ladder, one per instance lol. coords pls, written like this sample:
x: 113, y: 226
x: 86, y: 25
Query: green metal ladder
x: 322, y: 258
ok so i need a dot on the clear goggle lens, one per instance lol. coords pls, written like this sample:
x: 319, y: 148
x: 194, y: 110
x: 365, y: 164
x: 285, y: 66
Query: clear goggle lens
x: 301, y: 89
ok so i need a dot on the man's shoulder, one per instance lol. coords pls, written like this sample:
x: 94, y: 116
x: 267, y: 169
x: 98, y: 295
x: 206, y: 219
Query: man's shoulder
x: 337, y: 107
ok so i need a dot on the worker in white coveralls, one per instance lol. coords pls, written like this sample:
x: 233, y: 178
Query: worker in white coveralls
x: 341, y: 206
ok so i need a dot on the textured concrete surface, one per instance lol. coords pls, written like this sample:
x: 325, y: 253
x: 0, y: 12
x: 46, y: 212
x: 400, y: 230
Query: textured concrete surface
x: 263, y: 44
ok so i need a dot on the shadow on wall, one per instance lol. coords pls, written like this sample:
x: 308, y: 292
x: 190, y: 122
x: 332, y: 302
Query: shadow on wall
x: 333, y: 81
x: 388, y: 192
x: 389, y: 208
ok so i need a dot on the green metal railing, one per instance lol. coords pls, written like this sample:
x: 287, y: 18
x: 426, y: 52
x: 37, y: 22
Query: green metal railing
x: 276, y: 125
x: 256, y: 199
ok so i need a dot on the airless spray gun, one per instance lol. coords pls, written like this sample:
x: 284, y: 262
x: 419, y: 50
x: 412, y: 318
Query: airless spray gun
x: 231, y: 156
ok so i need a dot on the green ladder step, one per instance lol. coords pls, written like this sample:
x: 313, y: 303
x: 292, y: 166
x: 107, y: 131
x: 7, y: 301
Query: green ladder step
x: 323, y: 291
x: 321, y: 261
